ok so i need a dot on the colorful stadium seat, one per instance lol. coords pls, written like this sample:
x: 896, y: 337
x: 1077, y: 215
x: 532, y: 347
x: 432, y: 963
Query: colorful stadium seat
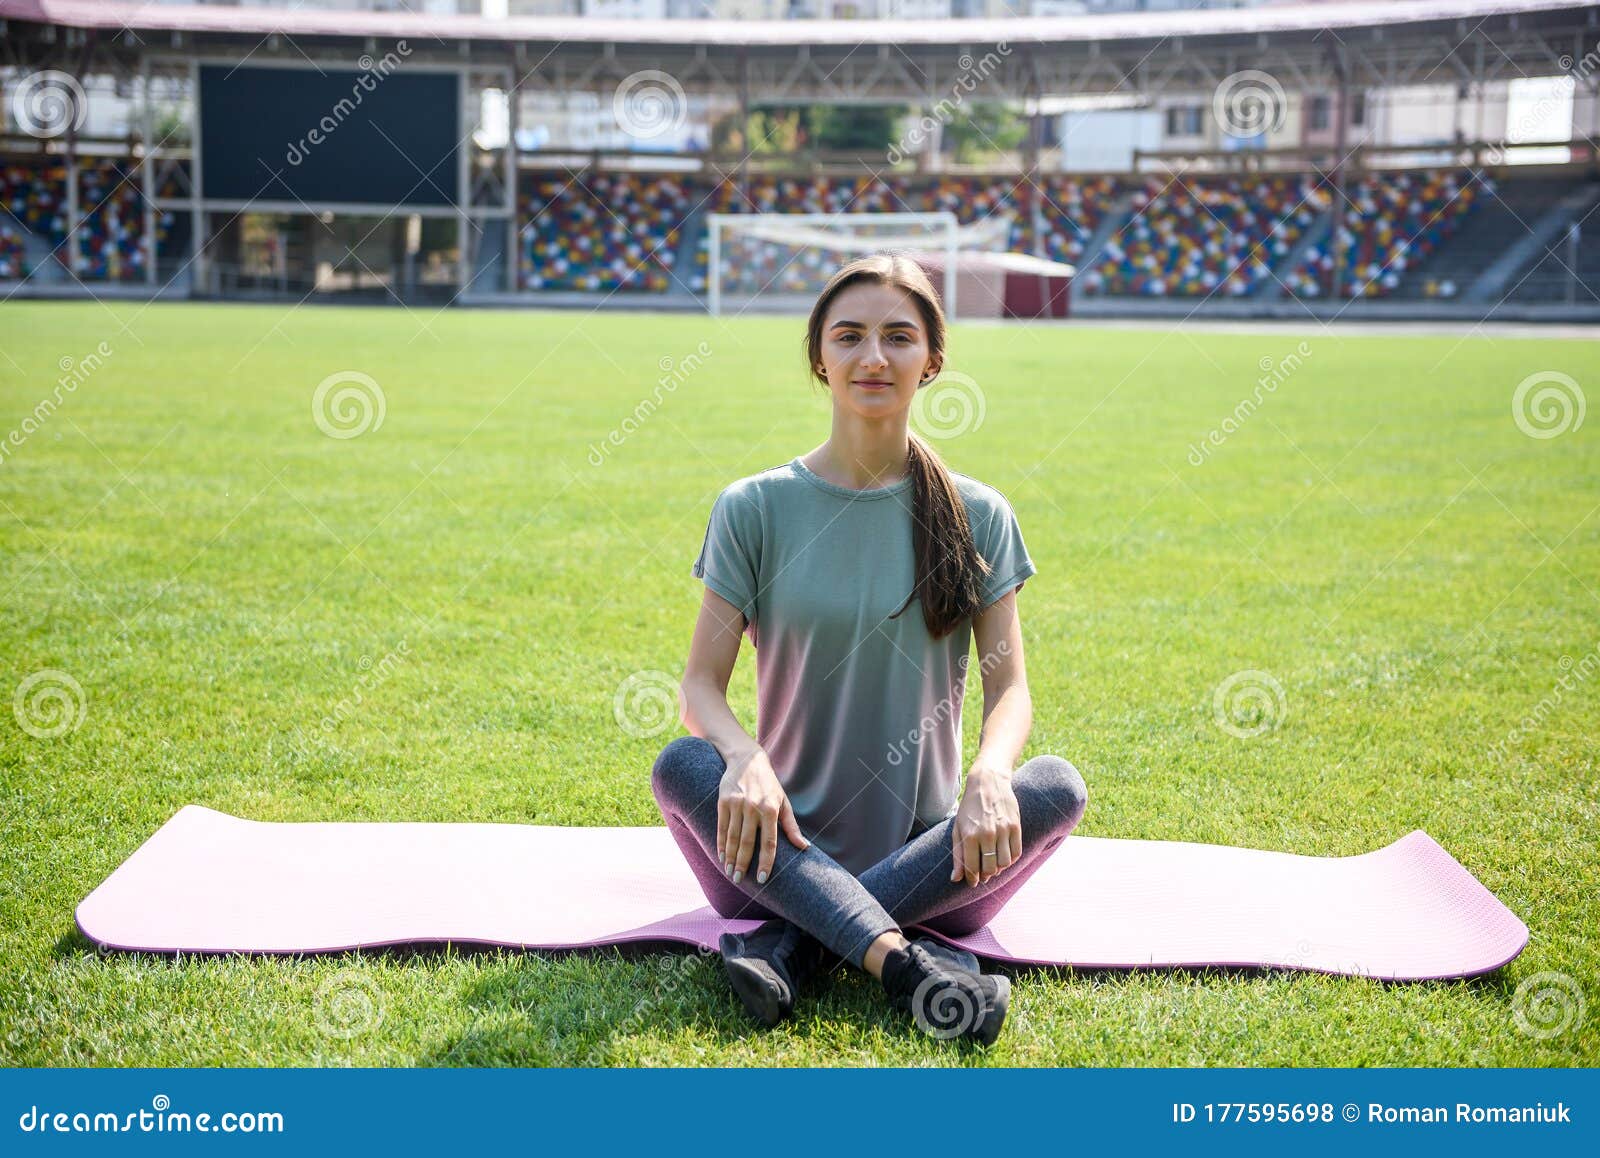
x: 1392, y: 223
x: 1191, y: 237
x: 110, y: 236
x: 602, y: 231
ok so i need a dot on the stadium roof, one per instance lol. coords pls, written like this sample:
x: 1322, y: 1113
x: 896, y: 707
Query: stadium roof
x: 1309, y: 47
x: 117, y: 15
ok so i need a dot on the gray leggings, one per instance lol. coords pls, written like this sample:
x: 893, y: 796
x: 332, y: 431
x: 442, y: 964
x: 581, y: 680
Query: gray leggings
x: 910, y: 886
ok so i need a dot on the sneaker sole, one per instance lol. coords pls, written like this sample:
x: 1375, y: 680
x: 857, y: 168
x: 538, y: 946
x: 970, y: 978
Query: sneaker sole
x: 758, y: 992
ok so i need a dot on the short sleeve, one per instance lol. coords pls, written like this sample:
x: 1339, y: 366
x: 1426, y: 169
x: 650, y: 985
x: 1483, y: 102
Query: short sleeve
x: 730, y: 557
x: 999, y: 541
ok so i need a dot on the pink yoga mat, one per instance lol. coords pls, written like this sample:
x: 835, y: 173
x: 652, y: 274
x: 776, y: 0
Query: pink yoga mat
x: 207, y: 882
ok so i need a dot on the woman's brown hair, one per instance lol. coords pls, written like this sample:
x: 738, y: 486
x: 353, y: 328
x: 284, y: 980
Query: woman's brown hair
x: 949, y: 570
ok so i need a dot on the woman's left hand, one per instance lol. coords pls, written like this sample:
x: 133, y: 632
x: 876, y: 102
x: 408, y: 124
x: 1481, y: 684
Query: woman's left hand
x: 986, y: 838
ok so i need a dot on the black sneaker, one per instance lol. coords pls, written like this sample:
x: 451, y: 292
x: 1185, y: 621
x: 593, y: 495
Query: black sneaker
x: 956, y: 958
x: 945, y: 1001
x: 767, y: 966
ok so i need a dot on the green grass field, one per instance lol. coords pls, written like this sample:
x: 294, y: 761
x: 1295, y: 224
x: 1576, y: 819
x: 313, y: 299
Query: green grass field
x: 182, y: 539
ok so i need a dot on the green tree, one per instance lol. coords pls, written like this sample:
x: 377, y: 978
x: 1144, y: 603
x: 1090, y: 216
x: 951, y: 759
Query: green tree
x: 856, y: 128
x: 778, y: 130
x: 770, y: 131
x: 169, y: 123
x: 983, y: 130
x: 785, y: 130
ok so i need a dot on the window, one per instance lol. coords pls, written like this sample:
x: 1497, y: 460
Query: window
x: 1184, y: 121
x: 1358, y: 109
x: 1319, y: 113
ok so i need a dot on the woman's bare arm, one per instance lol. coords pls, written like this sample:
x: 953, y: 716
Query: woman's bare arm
x: 1007, y: 706
x: 703, y: 702
x: 751, y: 802
x: 986, y: 838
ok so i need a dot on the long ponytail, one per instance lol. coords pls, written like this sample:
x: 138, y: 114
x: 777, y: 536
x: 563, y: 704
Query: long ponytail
x: 949, y: 569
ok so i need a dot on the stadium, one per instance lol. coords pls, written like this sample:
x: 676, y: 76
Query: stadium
x: 369, y: 370
x: 1330, y: 177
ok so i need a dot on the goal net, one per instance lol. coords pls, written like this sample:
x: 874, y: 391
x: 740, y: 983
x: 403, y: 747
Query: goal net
x: 779, y: 262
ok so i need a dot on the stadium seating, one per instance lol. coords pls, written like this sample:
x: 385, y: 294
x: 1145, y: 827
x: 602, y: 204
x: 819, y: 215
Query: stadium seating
x: 1391, y: 225
x: 600, y: 231
x: 1072, y: 209
x: 1560, y: 271
x: 1227, y: 237
x: 1187, y: 237
x: 12, y: 253
x: 112, y: 232
x: 1560, y: 275
x: 33, y: 195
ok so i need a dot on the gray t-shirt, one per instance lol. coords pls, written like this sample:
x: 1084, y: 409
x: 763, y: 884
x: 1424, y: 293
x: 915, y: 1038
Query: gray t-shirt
x: 859, y: 713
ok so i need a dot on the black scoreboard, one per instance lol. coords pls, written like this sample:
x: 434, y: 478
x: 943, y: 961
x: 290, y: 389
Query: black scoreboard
x: 375, y: 136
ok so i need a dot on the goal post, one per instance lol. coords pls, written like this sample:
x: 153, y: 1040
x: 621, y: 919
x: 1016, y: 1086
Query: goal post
x: 783, y: 259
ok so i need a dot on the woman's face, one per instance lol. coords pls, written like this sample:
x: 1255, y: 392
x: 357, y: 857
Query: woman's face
x: 875, y: 349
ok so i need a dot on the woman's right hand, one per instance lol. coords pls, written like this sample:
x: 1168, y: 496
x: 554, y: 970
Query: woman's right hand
x: 751, y: 800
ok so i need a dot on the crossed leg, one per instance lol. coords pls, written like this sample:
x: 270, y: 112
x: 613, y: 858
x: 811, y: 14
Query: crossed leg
x: 910, y: 886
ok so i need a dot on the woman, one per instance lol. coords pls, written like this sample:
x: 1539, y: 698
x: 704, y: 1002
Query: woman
x: 862, y: 571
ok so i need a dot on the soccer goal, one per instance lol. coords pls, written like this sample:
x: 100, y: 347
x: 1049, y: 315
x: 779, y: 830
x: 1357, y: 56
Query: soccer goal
x: 778, y: 262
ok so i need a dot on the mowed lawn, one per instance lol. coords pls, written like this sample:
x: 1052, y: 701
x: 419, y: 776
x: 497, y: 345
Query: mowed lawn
x: 217, y: 575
